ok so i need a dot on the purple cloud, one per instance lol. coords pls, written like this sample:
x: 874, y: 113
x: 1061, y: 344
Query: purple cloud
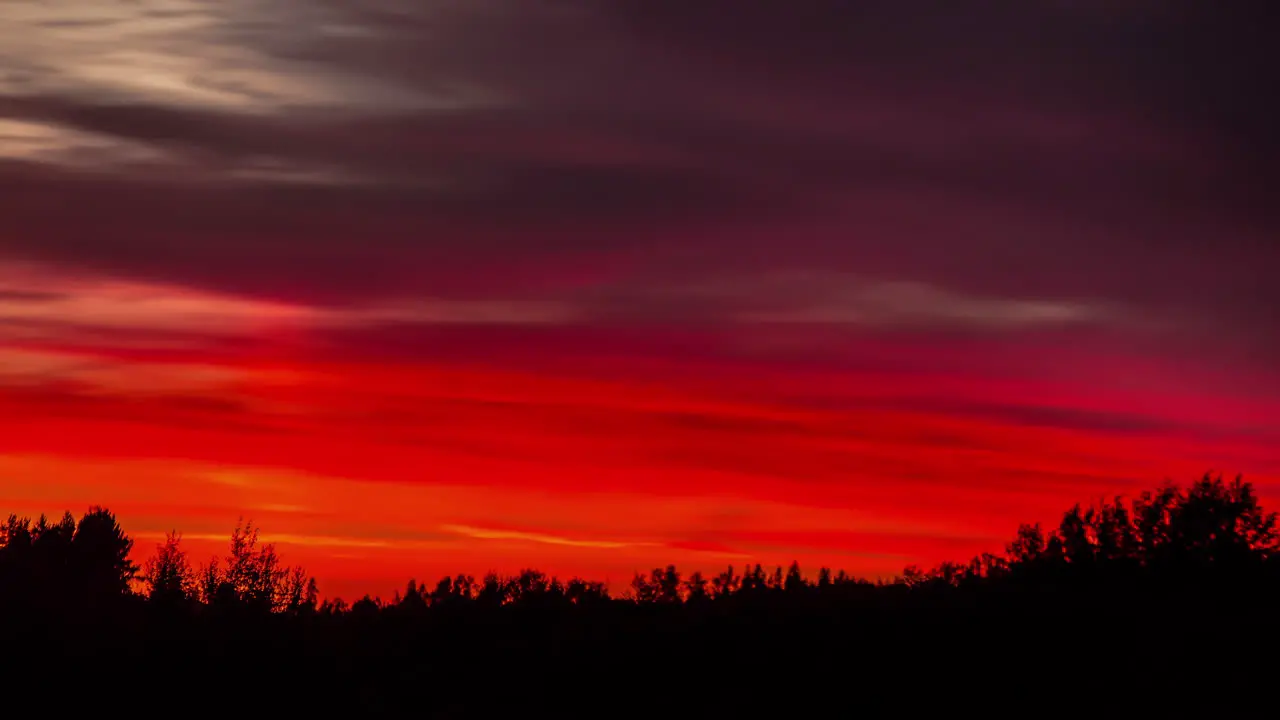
x: 1039, y: 162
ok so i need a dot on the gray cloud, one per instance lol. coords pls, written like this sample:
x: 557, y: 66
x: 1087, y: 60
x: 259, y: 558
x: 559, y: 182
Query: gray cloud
x: 1083, y: 154
x: 35, y: 304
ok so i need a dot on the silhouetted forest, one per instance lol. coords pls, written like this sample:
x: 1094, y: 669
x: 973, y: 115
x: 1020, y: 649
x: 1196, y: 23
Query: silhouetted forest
x: 1165, y: 603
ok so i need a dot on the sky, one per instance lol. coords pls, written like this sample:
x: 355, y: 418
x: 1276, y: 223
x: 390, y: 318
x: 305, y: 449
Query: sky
x: 423, y: 287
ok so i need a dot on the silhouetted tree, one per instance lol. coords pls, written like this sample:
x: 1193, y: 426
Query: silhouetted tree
x: 464, y: 587
x: 775, y: 580
x: 753, y: 580
x: 17, y: 562
x: 168, y: 575
x: 1114, y: 533
x: 366, y: 608
x: 695, y: 588
x: 251, y: 577
x: 1153, y: 512
x: 53, y: 571
x: 585, y: 592
x: 209, y: 582
x: 297, y: 593
x: 794, y: 582
x: 494, y: 591
x: 529, y: 587
x: 725, y: 584
x: 1028, y: 546
x: 100, y: 556
x: 1219, y: 522
x: 414, y: 599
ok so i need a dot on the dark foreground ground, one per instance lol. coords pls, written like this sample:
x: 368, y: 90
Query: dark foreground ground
x: 1173, y: 654
x: 1161, y: 607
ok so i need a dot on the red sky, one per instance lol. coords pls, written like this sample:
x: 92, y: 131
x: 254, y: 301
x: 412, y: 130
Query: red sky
x: 427, y: 288
x: 372, y: 468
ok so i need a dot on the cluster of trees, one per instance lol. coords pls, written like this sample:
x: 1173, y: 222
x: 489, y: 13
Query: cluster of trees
x: 86, y: 564
x: 250, y: 578
x: 1214, y: 524
x: 67, y: 564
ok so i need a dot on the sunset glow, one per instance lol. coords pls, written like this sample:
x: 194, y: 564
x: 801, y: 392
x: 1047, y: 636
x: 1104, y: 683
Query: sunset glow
x: 418, y: 302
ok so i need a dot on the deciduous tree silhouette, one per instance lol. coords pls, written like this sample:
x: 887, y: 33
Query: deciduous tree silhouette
x: 695, y: 588
x: 725, y: 584
x: 168, y: 575
x: 1213, y: 523
x: 252, y: 578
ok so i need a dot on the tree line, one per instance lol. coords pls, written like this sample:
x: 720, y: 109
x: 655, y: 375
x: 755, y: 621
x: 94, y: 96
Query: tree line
x: 1172, y: 532
x: 1130, y: 591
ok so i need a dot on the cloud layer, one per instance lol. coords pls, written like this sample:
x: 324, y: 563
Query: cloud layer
x: 347, y: 149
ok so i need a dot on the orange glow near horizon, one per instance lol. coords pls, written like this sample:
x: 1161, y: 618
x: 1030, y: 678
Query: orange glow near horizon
x: 371, y: 472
